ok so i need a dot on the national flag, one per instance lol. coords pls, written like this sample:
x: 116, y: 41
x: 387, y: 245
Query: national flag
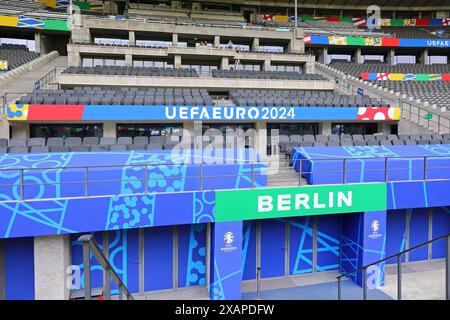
x: 435, y: 77
x: 307, y: 39
x: 3, y: 65
x: 32, y: 23
x: 382, y: 76
x: 267, y: 17
x: 337, y: 40
x: 409, y: 22
x: 396, y: 76
x: 359, y: 21
x: 390, y: 42
x: 422, y: 22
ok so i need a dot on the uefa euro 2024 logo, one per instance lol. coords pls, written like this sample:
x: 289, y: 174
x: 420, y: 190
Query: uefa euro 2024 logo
x: 228, y: 237
x: 375, y: 226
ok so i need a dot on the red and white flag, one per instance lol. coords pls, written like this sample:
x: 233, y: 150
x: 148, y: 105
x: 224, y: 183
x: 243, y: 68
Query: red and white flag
x: 359, y: 21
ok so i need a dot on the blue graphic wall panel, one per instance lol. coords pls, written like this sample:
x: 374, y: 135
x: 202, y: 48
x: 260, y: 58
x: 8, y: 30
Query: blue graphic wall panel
x: 226, y: 261
x: 395, y: 234
x: 19, y: 269
x: 249, y: 250
x: 418, y: 194
x: 130, y: 258
x: 418, y: 233
x: 77, y: 260
x: 363, y: 242
x: 441, y: 226
x: 352, y: 238
x: 164, y: 175
x: 300, y: 245
x: 328, y: 239
x: 192, y: 255
x: 319, y: 166
x: 123, y: 254
x: 158, y: 258
x: 272, y: 248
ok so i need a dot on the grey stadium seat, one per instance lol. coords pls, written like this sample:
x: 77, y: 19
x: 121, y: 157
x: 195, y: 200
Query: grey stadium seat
x: 17, y: 142
x: 72, y: 142
x: 39, y: 149
x: 125, y: 140
x: 118, y: 147
x: 35, y: 142
x: 55, y: 142
x: 90, y: 141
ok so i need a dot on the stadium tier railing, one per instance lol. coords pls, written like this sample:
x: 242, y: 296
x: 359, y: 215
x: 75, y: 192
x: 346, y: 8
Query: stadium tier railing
x: 429, y: 169
x: 399, y: 264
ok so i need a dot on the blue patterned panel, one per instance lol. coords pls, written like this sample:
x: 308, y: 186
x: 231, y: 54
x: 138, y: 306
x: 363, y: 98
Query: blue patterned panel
x: 441, y: 226
x: 395, y: 234
x: 77, y: 260
x: 226, y: 261
x: 272, y: 248
x: 38, y: 183
x: 351, y: 255
x: 123, y: 255
x: 19, y: 269
x: 328, y: 234
x: 325, y: 165
x: 418, y: 233
x: 249, y: 250
x: 301, y: 245
x: 192, y: 255
x: 158, y: 258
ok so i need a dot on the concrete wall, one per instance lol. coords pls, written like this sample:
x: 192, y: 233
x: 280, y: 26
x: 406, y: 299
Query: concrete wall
x: 4, y: 128
x: 51, y: 262
x: 75, y: 51
x: 20, y: 130
x: 203, y: 82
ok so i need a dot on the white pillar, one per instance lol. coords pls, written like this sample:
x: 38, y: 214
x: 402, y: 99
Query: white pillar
x: 131, y: 38
x: 51, y: 261
x: 109, y: 130
x: 177, y: 61
x: 255, y: 44
x: 4, y: 129
x: 358, y: 55
x: 391, y: 57
x: 324, y: 56
x: 266, y: 65
x: 224, y: 65
x: 20, y: 130
x: 37, y: 43
x: 129, y: 60
x: 325, y: 128
x: 175, y: 39
x: 216, y: 41
x: 424, y: 57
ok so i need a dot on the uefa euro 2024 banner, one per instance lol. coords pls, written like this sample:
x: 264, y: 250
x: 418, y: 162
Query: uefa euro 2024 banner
x: 25, y: 112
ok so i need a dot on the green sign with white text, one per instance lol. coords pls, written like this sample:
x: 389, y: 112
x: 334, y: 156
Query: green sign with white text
x: 265, y: 203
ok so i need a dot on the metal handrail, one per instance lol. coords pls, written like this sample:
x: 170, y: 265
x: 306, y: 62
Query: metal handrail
x: 89, y: 245
x: 264, y: 169
x: 399, y: 269
x: 402, y: 102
